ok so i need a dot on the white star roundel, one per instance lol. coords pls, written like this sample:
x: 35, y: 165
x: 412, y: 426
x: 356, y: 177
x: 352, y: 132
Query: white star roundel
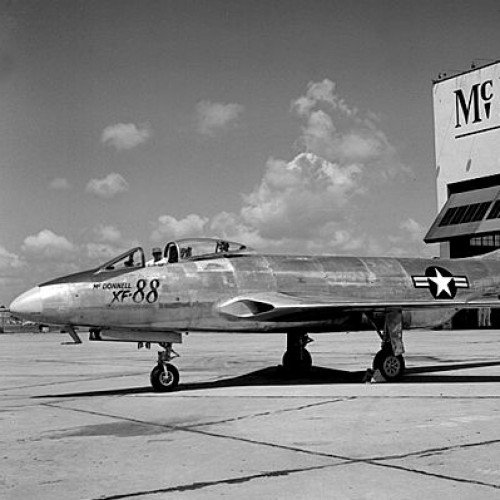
x: 441, y: 283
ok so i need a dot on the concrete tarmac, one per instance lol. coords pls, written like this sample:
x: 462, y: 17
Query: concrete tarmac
x: 80, y: 421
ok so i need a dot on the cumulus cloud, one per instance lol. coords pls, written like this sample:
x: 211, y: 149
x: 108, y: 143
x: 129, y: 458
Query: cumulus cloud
x: 48, y: 245
x: 296, y: 199
x: 102, y: 251
x: 60, y: 184
x: 109, y: 186
x: 108, y: 242
x: 316, y: 202
x: 342, y: 133
x: 107, y: 233
x: 214, y: 117
x: 302, y: 200
x: 125, y: 135
x: 232, y: 227
x: 9, y: 260
x: 409, y: 240
x: 298, y: 206
x: 413, y: 229
x: 322, y: 93
x: 169, y: 228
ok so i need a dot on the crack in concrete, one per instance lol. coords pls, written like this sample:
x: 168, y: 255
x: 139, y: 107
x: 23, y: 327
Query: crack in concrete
x: 440, y: 476
x: 435, y: 451
x: 194, y: 430
x: 207, y: 484
x: 268, y: 413
x: 345, y: 460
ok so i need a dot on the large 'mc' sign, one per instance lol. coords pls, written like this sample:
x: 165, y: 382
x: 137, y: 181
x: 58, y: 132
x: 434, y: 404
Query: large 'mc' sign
x: 467, y: 127
x: 474, y: 107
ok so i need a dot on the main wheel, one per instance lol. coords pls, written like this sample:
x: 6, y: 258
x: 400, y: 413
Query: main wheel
x: 297, y: 361
x: 391, y: 367
x: 164, y: 378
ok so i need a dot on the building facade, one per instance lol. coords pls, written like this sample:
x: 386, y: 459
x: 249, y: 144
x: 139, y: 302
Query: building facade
x: 467, y: 147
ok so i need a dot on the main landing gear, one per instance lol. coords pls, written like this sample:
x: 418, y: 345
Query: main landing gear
x: 297, y: 358
x: 165, y: 376
x: 389, y: 360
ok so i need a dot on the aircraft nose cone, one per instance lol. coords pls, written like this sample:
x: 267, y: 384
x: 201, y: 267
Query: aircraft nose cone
x: 27, y: 305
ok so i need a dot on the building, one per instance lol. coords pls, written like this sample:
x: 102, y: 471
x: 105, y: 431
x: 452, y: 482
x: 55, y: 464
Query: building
x: 467, y: 148
x: 4, y: 318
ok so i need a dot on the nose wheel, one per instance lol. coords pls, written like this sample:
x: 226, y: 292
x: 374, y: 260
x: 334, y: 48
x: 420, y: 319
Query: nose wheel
x: 165, y: 376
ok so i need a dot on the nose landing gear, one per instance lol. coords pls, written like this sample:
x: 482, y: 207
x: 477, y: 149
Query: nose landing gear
x: 165, y: 376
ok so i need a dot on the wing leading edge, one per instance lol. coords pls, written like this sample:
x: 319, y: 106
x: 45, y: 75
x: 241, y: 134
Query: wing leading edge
x: 280, y: 307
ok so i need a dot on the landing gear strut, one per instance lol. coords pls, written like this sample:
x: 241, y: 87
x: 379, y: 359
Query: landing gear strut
x: 165, y: 376
x: 297, y: 358
x: 389, y: 360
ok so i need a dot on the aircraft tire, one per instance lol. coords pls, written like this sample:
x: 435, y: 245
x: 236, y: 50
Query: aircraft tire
x: 164, y: 378
x: 292, y: 363
x: 391, y: 367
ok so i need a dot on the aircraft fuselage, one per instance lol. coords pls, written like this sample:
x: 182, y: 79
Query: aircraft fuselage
x: 186, y: 295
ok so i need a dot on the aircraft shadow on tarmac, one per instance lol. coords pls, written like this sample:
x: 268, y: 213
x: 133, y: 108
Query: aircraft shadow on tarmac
x: 275, y: 375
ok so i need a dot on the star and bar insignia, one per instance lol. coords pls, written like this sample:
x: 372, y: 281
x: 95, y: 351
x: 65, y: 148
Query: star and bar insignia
x: 442, y: 284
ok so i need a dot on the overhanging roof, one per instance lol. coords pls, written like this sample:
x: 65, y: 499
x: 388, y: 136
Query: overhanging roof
x: 466, y: 214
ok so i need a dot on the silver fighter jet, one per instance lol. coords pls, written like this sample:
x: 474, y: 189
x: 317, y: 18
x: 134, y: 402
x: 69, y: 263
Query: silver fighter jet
x: 212, y: 285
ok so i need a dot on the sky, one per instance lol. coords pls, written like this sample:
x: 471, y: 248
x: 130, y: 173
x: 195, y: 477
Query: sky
x: 291, y: 126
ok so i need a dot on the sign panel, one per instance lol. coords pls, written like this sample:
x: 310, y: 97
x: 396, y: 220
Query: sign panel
x: 467, y: 127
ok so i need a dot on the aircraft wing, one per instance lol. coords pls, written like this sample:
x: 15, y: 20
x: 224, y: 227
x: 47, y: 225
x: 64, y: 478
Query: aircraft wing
x: 284, y: 307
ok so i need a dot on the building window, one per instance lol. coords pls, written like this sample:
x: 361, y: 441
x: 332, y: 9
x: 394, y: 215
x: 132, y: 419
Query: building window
x: 495, y: 211
x: 445, y: 221
x: 481, y: 211
x: 465, y: 213
x: 486, y: 240
x: 458, y: 215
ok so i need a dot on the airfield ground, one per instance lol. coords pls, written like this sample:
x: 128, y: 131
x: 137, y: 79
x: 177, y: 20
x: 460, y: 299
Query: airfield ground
x: 82, y: 422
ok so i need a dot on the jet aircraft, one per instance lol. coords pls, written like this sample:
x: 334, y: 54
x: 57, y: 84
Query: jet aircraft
x: 212, y: 285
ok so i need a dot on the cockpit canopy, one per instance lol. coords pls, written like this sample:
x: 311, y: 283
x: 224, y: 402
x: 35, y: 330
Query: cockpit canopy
x: 182, y: 250
x: 130, y: 259
x: 177, y: 251
x: 196, y: 248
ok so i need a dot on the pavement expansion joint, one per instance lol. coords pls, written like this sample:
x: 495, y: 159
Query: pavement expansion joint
x: 436, y: 451
x: 202, y: 432
x: 440, y: 476
x: 269, y: 413
x: 345, y: 460
x: 207, y: 484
